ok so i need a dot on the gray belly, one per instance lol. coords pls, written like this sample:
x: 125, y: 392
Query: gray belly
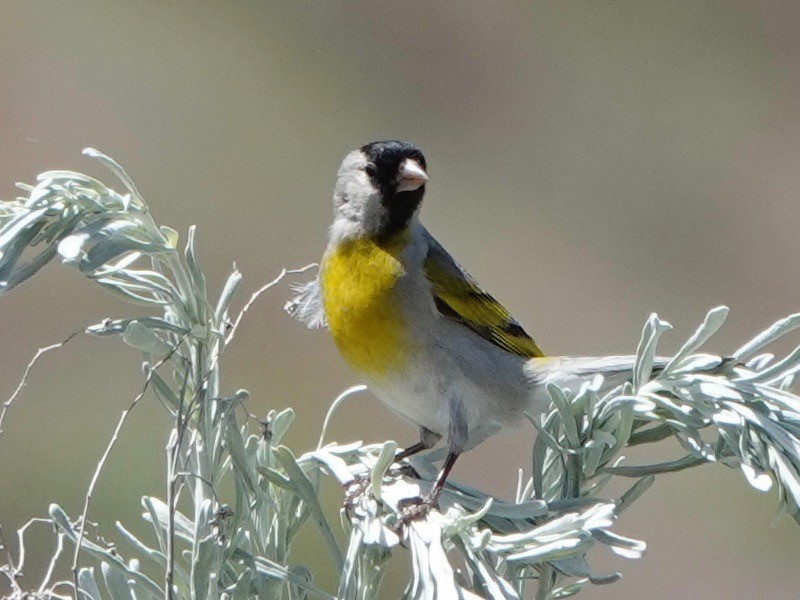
x: 459, y: 386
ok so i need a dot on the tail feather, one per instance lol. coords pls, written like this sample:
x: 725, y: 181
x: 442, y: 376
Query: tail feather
x: 572, y: 371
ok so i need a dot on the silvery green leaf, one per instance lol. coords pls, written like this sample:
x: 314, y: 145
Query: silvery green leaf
x: 26, y: 271
x: 634, y: 493
x: 650, y: 435
x: 88, y: 585
x: 548, y: 438
x: 759, y: 362
x: 196, y: 274
x: 115, y: 168
x: 164, y: 392
x: 592, y: 457
x: 150, y: 280
x: 432, y: 570
x: 275, y: 571
x: 158, y: 514
x: 48, y: 178
x: 62, y: 522
x: 711, y: 324
x: 276, y: 478
x: 572, y: 566
x: 335, y: 405
x: 71, y: 248
x: 605, y: 579
x: 683, y: 414
x: 670, y: 466
x: 301, y: 573
x: 548, y: 551
x: 235, y: 446
x: 571, y: 504
x: 562, y: 404
x: 170, y: 235
x: 775, y: 331
x: 334, y: 465
x: 116, y: 584
x: 486, y: 578
x: 140, y: 336
x: 789, y: 479
x: 226, y: 297
x: 603, y: 438
x: 117, y: 326
x: 621, y: 431
x: 626, y: 547
x: 385, y: 460
x: 719, y: 391
x: 142, y: 549
x: 639, y: 404
x: 787, y: 405
x: 204, y: 553
x: 568, y: 590
x: 788, y: 365
x: 143, y: 291
x: 132, y: 297
x: 348, y: 584
x: 241, y: 590
x: 9, y: 231
x: 279, y: 424
x: 596, y: 515
x: 646, y: 350
x: 758, y: 479
x: 112, y: 249
x: 13, y: 250
x: 521, y: 510
x: 306, y: 491
x: 695, y: 363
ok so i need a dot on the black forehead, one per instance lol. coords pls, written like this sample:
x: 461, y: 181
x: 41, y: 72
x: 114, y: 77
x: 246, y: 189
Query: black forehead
x: 390, y: 153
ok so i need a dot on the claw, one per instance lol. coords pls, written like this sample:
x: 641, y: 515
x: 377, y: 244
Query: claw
x: 415, y: 508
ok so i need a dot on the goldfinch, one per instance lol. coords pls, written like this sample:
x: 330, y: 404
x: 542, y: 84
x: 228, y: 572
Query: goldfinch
x: 431, y: 343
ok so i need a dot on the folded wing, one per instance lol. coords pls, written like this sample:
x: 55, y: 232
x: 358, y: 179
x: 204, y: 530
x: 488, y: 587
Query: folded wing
x: 459, y: 297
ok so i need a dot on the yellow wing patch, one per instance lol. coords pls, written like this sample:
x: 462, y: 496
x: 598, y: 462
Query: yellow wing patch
x: 459, y: 298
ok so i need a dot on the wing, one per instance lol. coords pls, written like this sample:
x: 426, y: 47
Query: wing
x: 458, y: 297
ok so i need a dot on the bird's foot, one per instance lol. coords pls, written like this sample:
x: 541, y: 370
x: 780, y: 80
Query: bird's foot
x: 415, y: 508
x: 356, y: 488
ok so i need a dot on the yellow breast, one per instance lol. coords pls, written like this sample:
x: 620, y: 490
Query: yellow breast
x: 358, y: 285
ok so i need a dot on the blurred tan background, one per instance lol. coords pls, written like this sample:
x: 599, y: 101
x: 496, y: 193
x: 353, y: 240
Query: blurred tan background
x: 591, y: 162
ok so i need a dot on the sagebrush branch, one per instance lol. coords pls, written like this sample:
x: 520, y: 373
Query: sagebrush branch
x: 210, y: 539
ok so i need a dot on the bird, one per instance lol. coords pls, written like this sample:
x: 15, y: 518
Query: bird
x: 431, y: 343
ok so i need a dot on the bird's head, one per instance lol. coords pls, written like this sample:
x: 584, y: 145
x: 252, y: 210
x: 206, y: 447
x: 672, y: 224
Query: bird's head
x: 379, y: 190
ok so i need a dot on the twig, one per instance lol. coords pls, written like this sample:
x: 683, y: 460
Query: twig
x: 261, y: 290
x: 52, y: 566
x: 180, y: 427
x: 24, y: 380
x: 12, y: 571
x: 21, y: 539
x: 88, y: 497
x: 203, y: 480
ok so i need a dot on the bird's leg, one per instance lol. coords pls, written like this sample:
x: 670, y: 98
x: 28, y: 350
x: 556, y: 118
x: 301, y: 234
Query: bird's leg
x: 433, y: 496
x: 427, y: 440
x: 417, y: 508
x: 411, y: 451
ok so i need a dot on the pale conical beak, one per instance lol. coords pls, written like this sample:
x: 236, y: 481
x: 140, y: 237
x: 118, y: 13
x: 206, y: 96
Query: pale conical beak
x: 412, y: 176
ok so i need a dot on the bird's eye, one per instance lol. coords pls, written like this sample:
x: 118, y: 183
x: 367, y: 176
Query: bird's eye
x: 370, y: 169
